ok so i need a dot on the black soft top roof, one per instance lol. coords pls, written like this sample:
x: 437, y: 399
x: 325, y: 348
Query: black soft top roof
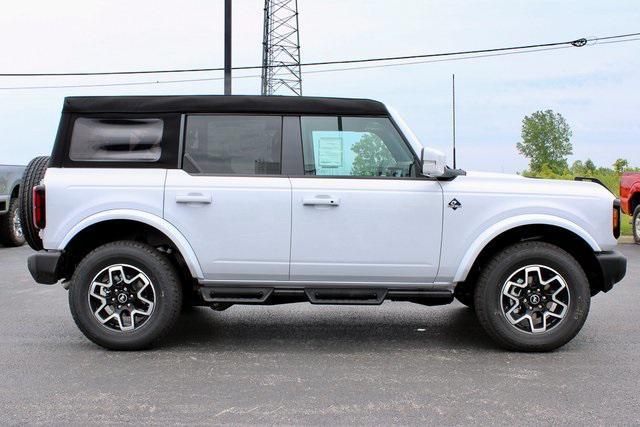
x: 223, y: 104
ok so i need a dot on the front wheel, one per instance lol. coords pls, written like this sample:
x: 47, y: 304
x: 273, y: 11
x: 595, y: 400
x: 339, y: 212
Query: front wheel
x: 125, y: 296
x: 532, y: 296
x: 635, y: 225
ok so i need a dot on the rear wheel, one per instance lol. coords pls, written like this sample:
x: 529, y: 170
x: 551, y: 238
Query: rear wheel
x: 10, y: 226
x: 125, y: 296
x: 33, y: 175
x: 635, y: 225
x: 532, y: 296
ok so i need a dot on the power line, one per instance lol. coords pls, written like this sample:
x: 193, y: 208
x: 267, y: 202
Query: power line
x: 615, y: 37
x: 575, y: 43
x: 432, y: 61
x: 329, y: 70
x: 152, y: 82
x: 620, y: 41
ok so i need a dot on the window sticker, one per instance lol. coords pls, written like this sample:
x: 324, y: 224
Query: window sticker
x: 330, y: 152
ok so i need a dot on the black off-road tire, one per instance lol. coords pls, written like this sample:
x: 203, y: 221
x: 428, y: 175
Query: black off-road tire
x: 635, y: 225
x: 489, y: 288
x: 160, y: 271
x: 11, y: 233
x: 33, y: 175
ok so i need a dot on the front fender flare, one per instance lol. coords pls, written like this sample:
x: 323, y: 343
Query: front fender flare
x: 505, y: 225
x: 152, y: 220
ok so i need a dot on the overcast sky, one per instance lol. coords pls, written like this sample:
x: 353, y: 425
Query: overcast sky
x: 596, y: 88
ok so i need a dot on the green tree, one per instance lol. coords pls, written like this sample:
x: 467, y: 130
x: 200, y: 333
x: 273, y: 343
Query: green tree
x: 372, y: 156
x: 589, y: 167
x: 577, y: 168
x: 546, y: 140
x: 620, y: 165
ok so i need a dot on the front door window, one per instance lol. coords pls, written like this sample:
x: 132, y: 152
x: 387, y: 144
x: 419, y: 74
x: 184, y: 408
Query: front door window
x: 354, y: 146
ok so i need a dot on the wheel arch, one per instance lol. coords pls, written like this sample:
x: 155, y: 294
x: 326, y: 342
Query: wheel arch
x: 560, y: 232
x: 634, y: 200
x: 15, y: 193
x: 109, y: 226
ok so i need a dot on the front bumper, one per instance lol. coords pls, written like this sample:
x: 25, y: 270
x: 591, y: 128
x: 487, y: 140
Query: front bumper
x: 44, y: 266
x: 613, y: 266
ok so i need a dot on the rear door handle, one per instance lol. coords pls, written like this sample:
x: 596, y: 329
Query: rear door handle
x: 193, y: 198
x: 321, y: 201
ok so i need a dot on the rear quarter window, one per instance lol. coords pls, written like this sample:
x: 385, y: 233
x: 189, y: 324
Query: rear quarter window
x: 116, y: 139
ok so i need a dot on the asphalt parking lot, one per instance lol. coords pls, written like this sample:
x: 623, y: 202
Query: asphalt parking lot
x: 303, y: 364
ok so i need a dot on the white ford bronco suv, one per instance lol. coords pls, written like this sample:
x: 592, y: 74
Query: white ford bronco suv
x: 148, y: 204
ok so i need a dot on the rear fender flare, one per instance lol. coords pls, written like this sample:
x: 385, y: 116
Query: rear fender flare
x: 152, y: 220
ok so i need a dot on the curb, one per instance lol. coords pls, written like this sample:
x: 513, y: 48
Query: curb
x: 626, y: 240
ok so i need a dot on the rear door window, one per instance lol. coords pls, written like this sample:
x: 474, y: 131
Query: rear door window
x: 116, y: 139
x: 233, y: 145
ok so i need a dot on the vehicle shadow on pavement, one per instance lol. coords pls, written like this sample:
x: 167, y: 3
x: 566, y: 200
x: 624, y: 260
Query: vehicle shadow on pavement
x: 329, y: 329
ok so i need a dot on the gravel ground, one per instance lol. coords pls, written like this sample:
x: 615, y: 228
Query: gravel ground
x: 300, y: 364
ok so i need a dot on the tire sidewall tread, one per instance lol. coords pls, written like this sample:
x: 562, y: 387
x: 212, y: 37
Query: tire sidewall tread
x: 489, y: 287
x: 33, y: 175
x: 160, y: 271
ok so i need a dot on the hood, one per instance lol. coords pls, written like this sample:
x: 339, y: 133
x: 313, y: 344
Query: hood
x: 495, y: 175
x: 512, y: 183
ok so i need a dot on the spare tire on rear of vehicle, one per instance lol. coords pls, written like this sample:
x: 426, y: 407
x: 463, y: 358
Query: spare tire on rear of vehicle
x: 33, y: 175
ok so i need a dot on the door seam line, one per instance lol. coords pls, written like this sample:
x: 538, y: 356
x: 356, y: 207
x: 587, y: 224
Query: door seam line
x: 442, y: 212
x: 290, y: 225
x: 164, y: 192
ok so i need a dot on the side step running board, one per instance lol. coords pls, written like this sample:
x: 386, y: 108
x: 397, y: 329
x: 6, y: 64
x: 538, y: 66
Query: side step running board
x: 346, y: 296
x: 236, y: 295
x: 228, y: 295
x: 421, y: 297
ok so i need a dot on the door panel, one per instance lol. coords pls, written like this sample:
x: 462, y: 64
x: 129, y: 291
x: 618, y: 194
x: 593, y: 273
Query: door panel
x: 239, y: 227
x: 365, y: 230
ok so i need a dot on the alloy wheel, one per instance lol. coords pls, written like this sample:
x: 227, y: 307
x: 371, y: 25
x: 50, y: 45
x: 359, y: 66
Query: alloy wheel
x: 122, y: 297
x: 17, y: 225
x: 535, y: 299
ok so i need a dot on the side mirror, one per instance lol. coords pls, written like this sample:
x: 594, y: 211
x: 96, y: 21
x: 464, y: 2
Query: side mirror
x: 433, y: 162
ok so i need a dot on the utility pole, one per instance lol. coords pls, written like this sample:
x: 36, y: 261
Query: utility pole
x: 227, y: 47
x: 281, y: 72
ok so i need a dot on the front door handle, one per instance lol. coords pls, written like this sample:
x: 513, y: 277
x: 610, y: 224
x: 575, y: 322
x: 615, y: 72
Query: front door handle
x: 193, y: 198
x: 321, y: 201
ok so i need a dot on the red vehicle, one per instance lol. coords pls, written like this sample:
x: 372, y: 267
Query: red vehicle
x: 630, y: 200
